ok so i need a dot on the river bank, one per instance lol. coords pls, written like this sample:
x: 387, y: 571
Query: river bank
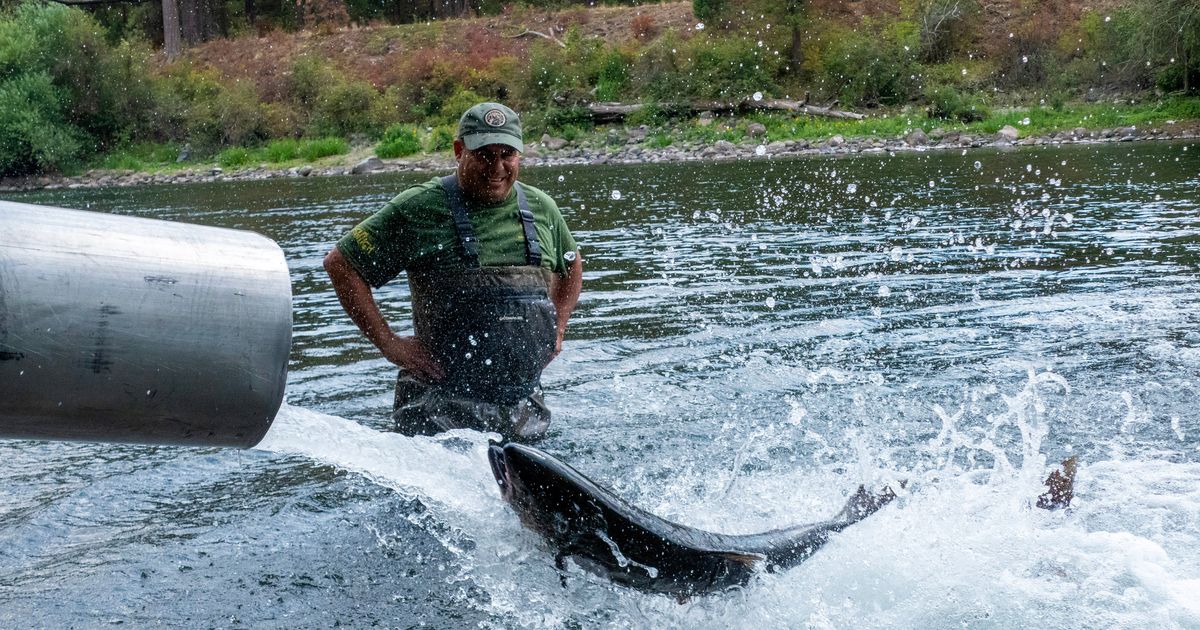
x: 619, y: 147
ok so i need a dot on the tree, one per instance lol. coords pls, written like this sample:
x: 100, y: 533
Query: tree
x: 707, y: 9
x: 170, y: 15
x: 1170, y: 35
x: 937, y: 20
x: 795, y: 15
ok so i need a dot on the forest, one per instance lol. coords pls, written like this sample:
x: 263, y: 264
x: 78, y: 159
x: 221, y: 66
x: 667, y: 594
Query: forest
x: 111, y: 85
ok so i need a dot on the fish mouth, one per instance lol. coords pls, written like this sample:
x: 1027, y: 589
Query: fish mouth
x: 499, y: 468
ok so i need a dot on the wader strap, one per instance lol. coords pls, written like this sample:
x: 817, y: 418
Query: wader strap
x: 466, y: 233
x: 462, y: 221
x: 533, y: 251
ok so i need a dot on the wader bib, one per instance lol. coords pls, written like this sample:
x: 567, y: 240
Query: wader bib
x: 492, y: 329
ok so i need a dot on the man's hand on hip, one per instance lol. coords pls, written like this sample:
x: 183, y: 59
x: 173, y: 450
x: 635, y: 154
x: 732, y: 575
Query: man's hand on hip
x: 412, y: 355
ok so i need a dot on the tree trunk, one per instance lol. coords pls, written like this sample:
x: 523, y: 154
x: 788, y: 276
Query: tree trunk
x: 796, y: 54
x: 189, y: 14
x: 171, y: 44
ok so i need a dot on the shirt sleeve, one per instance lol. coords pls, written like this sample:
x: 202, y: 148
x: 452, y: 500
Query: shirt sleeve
x: 375, y: 247
x: 564, y: 242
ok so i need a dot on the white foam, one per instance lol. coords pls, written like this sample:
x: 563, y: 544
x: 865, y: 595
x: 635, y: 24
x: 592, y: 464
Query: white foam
x: 457, y: 480
x: 960, y: 547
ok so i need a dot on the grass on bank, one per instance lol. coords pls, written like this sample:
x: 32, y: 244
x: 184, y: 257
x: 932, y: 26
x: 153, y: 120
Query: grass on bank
x: 1031, y: 121
x: 411, y: 140
x: 163, y: 157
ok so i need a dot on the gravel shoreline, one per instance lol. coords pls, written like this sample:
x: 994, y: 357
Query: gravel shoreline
x: 627, y: 148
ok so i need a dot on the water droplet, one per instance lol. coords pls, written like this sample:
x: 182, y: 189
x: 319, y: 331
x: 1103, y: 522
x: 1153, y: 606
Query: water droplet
x: 760, y: 150
x: 770, y: 303
x: 561, y: 178
x: 851, y: 188
x: 964, y: 72
x: 885, y: 291
x: 700, y: 26
x: 616, y: 195
x: 978, y: 165
x: 758, y: 96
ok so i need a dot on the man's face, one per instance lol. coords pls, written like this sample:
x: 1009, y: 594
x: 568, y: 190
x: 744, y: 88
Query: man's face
x: 488, y: 173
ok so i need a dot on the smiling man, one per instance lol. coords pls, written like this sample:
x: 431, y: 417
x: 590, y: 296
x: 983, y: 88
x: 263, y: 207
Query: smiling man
x: 494, y: 275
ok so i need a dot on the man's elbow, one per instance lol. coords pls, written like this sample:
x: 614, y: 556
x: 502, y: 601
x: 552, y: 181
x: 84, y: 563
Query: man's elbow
x: 341, y: 272
x: 334, y: 261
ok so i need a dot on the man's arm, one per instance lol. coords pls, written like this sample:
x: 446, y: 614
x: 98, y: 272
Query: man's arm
x: 355, y: 295
x: 565, y: 295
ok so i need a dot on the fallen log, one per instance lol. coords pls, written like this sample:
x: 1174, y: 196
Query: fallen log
x: 529, y: 33
x: 617, y: 112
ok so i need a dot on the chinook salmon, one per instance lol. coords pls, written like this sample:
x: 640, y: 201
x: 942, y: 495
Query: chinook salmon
x: 632, y: 547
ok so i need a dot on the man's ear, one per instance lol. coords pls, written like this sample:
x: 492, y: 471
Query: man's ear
x: 459, y: 147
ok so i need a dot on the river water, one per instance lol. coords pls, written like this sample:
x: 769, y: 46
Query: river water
x: 755, y: 339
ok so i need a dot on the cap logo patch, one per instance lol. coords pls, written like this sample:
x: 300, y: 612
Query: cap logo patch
x: 495, y: 118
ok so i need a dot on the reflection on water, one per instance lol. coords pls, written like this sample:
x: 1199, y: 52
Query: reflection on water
x: 753, y: 338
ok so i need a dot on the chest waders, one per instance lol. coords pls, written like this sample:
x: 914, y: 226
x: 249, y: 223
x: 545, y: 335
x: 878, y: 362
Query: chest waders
x: 492, y: 329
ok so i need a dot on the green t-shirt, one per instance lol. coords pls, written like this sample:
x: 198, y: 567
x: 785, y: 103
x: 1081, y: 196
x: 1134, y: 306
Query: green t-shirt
x: 415, y: 231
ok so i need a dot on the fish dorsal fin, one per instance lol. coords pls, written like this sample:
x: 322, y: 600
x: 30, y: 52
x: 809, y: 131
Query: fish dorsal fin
x: 747, y: 559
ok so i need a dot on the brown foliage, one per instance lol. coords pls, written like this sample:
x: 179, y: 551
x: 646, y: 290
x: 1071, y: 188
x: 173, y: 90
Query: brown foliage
x: 480, y: 45
x: 643, y: 26
x: 325, y: 16
x: 1026, y: 51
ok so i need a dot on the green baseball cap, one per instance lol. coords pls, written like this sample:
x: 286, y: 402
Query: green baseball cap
x: 490, y: 123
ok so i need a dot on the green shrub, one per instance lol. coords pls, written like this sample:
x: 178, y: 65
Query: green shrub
x: 398, y: 141
x: 651, y: 115
x: 278, y: 151
x: 309, y: 77
x: 548, y: 75
x: 34, y: 134
x: 440, y: 139
x: 612, y: 77
x: 867, y: 69
x: 453, y: 107
x: 659, y: 141
x: 283, y: 119
x: 556, y: 117
x: 323, y: 147
x: 78, y: 92
x: 235, y: 157
x: 947, y: 103
x: 140, y: 156
x: 1180, y: 108
x: 707, y: 9
x: 659, y: 71
x: 343, y: 108
x: 729, y: 68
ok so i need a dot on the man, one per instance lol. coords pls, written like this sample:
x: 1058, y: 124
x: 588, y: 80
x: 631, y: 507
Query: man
x: 494, y: 274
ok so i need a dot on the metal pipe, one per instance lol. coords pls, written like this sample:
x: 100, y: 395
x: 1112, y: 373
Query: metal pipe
x: 124, y: 329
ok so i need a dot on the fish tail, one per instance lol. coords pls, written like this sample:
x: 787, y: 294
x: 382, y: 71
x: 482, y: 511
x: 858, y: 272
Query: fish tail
x: 864, y: 503
x: 1060, y: 487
